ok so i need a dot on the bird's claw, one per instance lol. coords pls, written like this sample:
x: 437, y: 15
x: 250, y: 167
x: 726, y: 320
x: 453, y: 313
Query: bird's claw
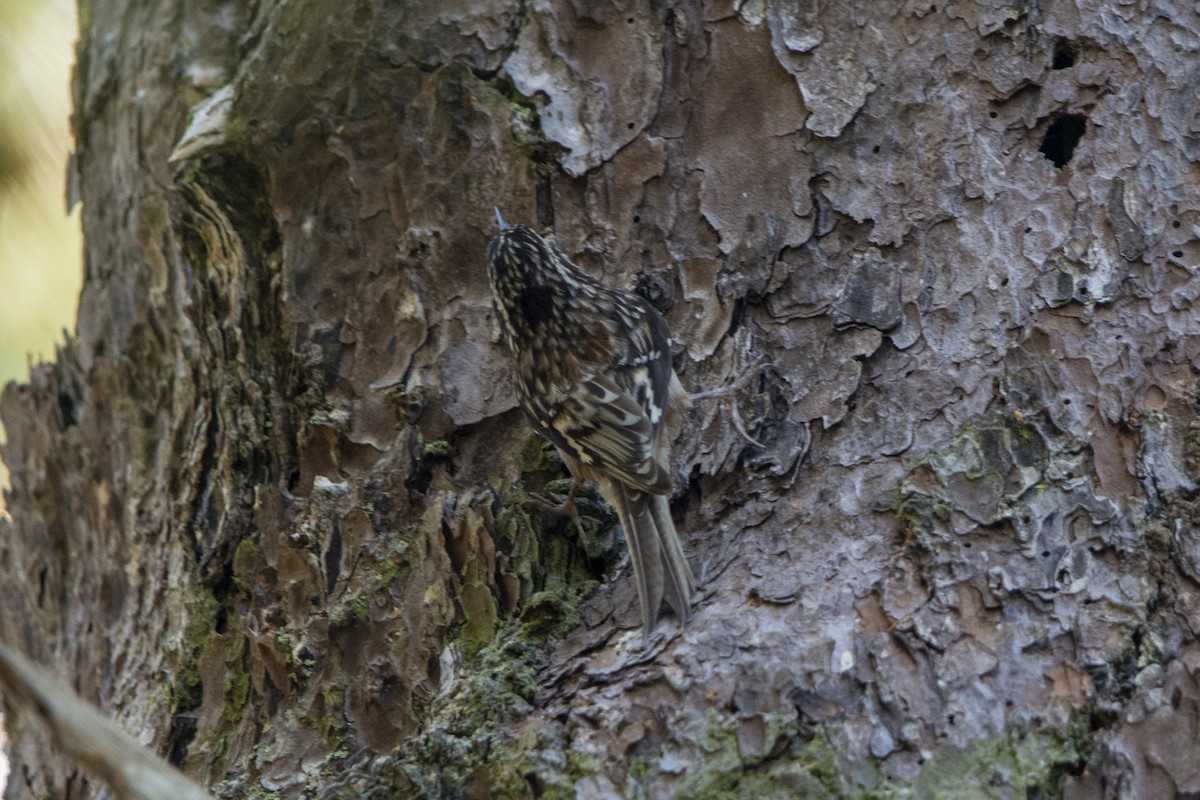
x: 729, y: 393
x: 566, y: 508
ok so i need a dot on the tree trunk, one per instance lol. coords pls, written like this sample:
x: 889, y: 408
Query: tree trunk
x: 269, y: 508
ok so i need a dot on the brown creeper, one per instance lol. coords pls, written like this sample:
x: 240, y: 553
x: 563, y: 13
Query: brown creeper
x: 593, y: 373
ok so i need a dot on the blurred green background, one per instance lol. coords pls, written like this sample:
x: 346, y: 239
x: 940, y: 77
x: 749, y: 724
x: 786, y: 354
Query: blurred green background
x: 40, y: 245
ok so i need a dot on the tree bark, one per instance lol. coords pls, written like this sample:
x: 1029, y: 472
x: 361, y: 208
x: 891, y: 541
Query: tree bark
x: 269, y: 510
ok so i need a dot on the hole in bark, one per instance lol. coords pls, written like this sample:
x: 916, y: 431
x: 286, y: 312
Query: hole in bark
x: 637, y: 218
x: 875, y: 149
x: 183, y: 731
x: 1175, y: 224
x: 993, y: 114
x: 66, y: 406
x: 1045, y: 554
x: 1177, y: 253
x: 333, y: 557
x: 1063, y: 55
x: 629, y: 20
x: 1064, y: 133
x: 629, y: 125
x: 1066, y: 401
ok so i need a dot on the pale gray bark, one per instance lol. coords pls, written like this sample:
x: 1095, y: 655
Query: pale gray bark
x: 267, y: 509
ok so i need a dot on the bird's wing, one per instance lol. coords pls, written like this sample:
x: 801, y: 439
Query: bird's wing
x: 603, y: 425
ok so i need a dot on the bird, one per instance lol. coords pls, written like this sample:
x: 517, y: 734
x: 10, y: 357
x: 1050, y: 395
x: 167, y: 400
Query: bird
x: 593, y: 373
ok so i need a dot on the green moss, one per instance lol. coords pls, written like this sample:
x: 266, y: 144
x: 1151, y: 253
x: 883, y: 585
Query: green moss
x: 538, y: 455
x: 561, y: 486
x: 1024, y: 433
x: 518, y: 538
x: 1018, y: 763
x: 920, y: 514
x: 202, y: 619
x: 1014, y: 764
x: 781, y: 771
x: 478, y: 608
x: 303, y: 670
x: 245, y: 563
x: 523, y: 111
x: 524, y: 117
x: 360, y: 607
x: 237, y: 684
x: 439, y: 448
x: 554, y: 612
x: 473, y: 744
x: 465, y: 740
x: 330, y: 417
x: 243, y: 790
x: 334, y: 729
x: 209, y: 749
x: 383, y: 559
x: 237, y: 129
x: 987, y: 472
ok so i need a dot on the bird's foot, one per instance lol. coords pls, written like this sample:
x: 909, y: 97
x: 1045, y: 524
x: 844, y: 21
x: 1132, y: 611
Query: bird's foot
x: 729, y: 393
x: 566, y: 508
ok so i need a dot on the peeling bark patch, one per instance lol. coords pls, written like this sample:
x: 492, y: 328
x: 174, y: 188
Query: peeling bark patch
x: 1064, y: 133
x: 1131, y: 240
x: 814, y: 347
x: 602, y: 79
x: 833, y: 74
x: 754, y: 190
x: 707, y: 322
x: 871, y: 295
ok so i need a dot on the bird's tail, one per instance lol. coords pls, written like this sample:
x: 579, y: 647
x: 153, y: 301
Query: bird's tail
x: 660, y: 569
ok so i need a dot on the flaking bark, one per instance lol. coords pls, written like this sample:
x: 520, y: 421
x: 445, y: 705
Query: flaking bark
x: 267, y: 505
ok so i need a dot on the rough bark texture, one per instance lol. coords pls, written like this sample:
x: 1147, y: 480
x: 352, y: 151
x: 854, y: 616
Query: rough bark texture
x: 268, y: 508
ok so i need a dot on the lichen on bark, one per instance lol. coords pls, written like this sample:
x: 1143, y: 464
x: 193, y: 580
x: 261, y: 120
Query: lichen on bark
x: 269, y: 503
